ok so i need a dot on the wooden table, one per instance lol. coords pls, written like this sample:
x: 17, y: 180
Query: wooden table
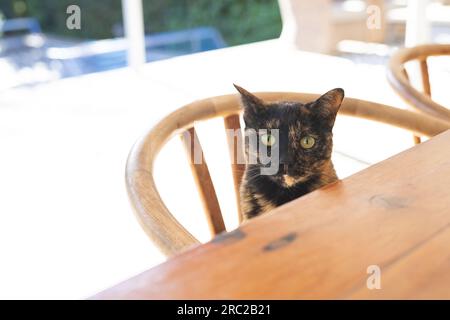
x: 394, y: 215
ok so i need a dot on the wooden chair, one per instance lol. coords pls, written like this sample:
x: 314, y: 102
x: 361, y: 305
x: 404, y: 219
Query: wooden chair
x: 164, y: 230
x: 399, y: 79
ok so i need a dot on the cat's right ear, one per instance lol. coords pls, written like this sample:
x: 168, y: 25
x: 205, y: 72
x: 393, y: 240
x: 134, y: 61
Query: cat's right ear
x: 252, y: 104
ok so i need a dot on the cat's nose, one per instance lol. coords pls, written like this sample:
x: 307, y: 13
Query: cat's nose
x: 284, y: 168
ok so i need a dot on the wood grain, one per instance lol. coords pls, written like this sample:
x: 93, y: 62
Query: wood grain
x: 416, y: 139
x: 236, y: 151
x: 425, y: 77
x: 202, y: 178
x: 394, y: 214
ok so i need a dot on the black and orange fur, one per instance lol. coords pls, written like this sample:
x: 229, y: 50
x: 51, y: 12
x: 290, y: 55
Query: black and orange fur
x: 300, y: 170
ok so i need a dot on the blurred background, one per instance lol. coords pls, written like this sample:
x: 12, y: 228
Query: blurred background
x: 37, y: 46
x: 81, y: 80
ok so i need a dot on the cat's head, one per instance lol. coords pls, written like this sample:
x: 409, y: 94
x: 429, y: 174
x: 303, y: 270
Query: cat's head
x: 304, y: 142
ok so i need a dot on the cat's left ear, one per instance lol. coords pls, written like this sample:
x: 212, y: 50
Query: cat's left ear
x: 330, y: 102
x: 251, y: 103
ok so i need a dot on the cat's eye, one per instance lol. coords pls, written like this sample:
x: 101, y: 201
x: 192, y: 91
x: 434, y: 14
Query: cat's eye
x: 268, y: 139
x: 307, y: 142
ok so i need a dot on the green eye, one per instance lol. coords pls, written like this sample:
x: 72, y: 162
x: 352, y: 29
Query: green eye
x: 268, y: 139
x: 307, y: 142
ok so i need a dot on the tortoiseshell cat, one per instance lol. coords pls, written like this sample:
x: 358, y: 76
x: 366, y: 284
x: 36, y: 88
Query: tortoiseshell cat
x: 304, y: 146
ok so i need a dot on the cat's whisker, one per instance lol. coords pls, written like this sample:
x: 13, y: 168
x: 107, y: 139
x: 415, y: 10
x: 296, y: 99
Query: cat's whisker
x: 253, y: 177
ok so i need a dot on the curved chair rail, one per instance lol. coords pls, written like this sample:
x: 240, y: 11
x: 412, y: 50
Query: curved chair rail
x: 398, y: 77
x: 160, y: 225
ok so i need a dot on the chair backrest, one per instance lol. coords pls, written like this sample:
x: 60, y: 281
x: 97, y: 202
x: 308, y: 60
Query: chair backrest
x: 159, y: 224
x: 399, y: 79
